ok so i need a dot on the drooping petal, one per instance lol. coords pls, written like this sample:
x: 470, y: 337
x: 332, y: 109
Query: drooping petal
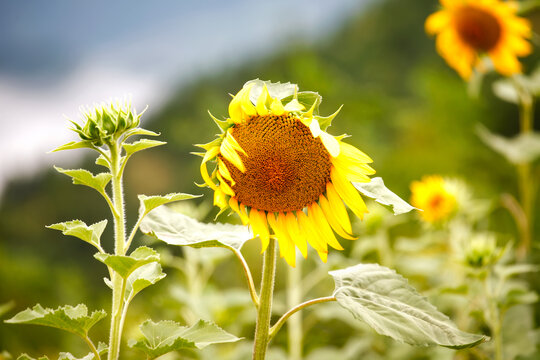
x: 315, y: 213
x: 338, y: 208
x: 261, y: 102
x: 296, y: 235
x: 257, y: 219
x: 228, y: 149
x: 348, y: 193
x: 332, y: 218
x: 286, y: 246
x: 330, y: 143
x: 312, y: 236
x: 209, y: 155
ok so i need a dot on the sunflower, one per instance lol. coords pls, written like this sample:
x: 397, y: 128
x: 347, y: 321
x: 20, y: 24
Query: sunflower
x: 434, y: 197
x: 468, y: 29
x: 282, y: 173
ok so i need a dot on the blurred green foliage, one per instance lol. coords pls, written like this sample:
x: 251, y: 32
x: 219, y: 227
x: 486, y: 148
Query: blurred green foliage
x: 403, y: 106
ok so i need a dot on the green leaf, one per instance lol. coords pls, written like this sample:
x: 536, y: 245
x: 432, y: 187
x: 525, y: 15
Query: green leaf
x: 84, y: 177
x: 125, y: 265
x: 385, y: 301
x: 69, y: 318
x: 141, y: 278
x: 166, y: 336
x: 507, y: 271
x: 521, y: 149
x: 6, y: 307
x: 276, y: 90
x: 178, y: 229
x: 27, y: 357
x: 148, y: 203
x: 506, y: 89
x: 376, y: 190
x: 69, y: 356
x: 91, y: 234
x: 141, y: 145
x: 74, y: 145
x: 140, y: 131
x: 102, y: 161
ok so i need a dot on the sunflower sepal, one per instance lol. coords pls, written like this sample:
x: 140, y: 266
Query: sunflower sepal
x: 326, y: 121
x: 222, y: 124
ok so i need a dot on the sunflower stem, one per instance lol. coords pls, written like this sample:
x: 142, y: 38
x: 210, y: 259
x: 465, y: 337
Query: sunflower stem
x: 264, y: 311
x: 526, y: 183
x: 294, y: 326
x: 119, y: 249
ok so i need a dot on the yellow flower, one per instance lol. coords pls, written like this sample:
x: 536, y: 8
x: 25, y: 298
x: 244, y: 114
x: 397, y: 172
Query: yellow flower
x: 433, y: 197
x: 281, y: 172
x: 468, y: 29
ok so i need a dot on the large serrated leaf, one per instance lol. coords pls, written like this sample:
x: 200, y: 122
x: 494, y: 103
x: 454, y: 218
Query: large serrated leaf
x: 148, y: 203
x: 141, y: 145
x: 521, y: 149
x: 27, y: 357
x: 166, y: 336
x: 74, y: 319
x: 376, y: 190
x: 178, y: 229
x: 141, y: 278
x: 85, y: 177
x: 125, y: 265
x: 91, y: 234
x: 140, y: 131
x: 385, y: 301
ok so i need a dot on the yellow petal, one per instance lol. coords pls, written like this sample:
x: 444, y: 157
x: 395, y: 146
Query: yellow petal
x: 260, y: 227
x: 437, y: 22
x: 224, y: 186
x: 286, y: 247
x: 261, y: 101
x: 277, y: 107
x: 315, y: 212
x: 294, y: 105
x: 323, y: 255
x: 315, y: 128
x: 224, y: 171
x: 330, y: 143
x: 228, y: 150
x: 243, y: 214
x: 348, y: 193
x: 235, y: 108
x: 337, y: 206
x: 296, y: 235
x: 220, y: 199
x: 247, y: 106
x: 352, y: 154
x: 505, y: 62
x: 332, y: 218
x: 209, y: 155
x: 312, y: 236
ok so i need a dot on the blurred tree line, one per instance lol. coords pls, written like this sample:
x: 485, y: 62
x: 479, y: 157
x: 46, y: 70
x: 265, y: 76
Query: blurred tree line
x: 402, y: 105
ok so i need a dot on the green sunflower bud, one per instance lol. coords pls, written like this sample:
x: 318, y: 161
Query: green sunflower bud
x: 482, y: 251
x: 106, y: 122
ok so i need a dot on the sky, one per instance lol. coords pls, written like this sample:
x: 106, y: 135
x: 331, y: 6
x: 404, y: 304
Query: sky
x: 59, y: 55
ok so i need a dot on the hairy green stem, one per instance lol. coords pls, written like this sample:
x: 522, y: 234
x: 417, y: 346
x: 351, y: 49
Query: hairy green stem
x: 526, y: 182
x: 119, y: 249
x: 92, y: 347
x: 264, y: 311
x: 281, y: 321
x: 249, y: 278
x: 294, y: 326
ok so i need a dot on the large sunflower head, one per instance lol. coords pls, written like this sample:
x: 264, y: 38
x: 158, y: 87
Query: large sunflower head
x: 282, y: 173
x: 469, y: 29
x: 434, y: 197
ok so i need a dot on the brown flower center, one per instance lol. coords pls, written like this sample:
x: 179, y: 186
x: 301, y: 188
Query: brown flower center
x: 286, y: 168
x: 477, y: 28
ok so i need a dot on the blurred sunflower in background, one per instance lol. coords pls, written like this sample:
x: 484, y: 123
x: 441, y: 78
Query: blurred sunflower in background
x: 434, y: 197
x: 281, y: 172
x: 468, y: 30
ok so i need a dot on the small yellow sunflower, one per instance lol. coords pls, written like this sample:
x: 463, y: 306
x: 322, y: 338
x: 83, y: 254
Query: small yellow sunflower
x: 281, y: 172
x: 433, y: 197
x: 468, y: 29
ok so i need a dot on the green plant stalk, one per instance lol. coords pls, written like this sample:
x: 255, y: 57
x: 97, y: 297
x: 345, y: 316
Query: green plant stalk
x: 494, y: 315
x: 294, y: 326
x: 119, y: 249
x: 264, y: 311
x: 526, y: 184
